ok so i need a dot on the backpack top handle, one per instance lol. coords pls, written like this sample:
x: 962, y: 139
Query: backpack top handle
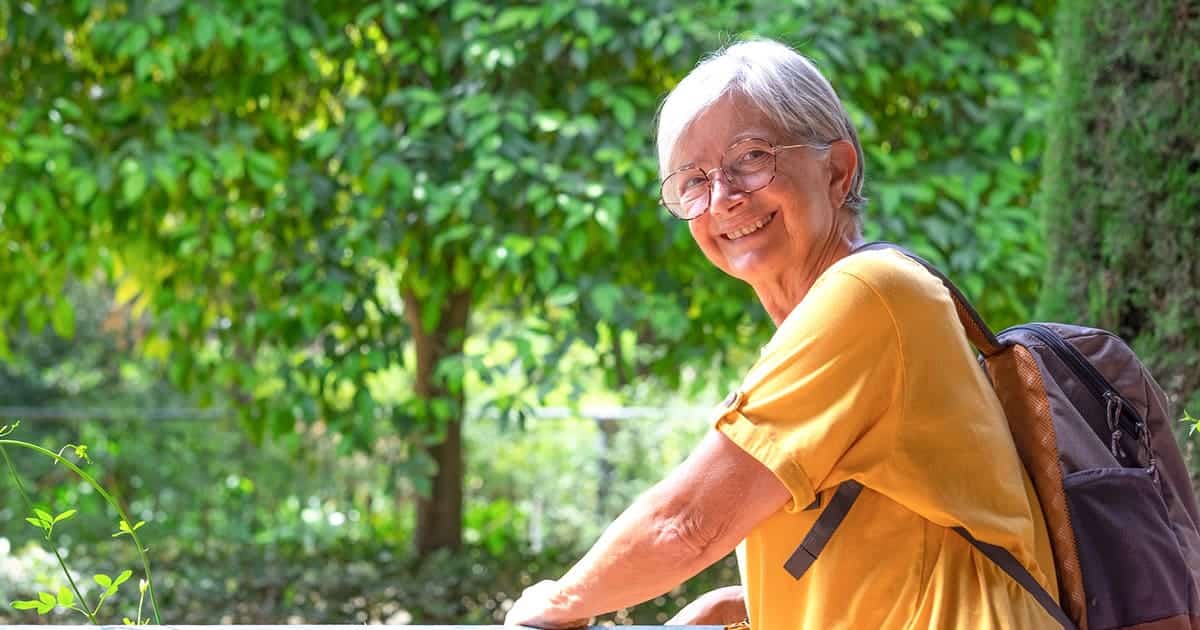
x: 977, y: 330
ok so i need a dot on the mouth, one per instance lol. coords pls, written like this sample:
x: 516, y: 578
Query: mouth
x: 750, y: 229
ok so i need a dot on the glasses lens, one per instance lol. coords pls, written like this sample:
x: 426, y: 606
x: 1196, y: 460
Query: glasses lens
x: 750, y: 164
x: 686, y: 193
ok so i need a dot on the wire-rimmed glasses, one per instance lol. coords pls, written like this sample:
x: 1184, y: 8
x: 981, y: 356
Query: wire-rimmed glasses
x: 748, y: 165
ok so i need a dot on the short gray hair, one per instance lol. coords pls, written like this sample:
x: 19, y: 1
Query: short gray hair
x: 781, y: 82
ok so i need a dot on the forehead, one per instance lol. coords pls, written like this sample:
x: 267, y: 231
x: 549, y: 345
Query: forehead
x: 730, y: 119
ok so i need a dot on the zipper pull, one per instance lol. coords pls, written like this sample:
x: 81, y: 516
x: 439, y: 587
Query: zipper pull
x: 1113, y: 416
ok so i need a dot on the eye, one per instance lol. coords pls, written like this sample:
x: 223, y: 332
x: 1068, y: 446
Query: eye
x: 753, y: 155
x: 691, y: 183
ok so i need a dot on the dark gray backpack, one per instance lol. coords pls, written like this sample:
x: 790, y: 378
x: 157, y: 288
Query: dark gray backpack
x: 1094, y: 431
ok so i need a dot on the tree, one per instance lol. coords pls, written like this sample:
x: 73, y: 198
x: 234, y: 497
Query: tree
x: 1122, y: 181
x: 296, y: 191
x: 298, y: 199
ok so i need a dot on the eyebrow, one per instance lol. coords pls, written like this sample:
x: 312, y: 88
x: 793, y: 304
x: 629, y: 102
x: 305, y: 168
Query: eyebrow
x: 752, y: 133
x: 744, y: 135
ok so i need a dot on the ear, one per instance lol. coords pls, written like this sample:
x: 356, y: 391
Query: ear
x: 843, y: 161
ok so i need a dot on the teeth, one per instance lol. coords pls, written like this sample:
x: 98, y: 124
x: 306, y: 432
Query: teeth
x: 750, y: 229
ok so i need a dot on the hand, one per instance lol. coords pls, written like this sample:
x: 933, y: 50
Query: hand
x: 719, y: 607
x: 543, y: 605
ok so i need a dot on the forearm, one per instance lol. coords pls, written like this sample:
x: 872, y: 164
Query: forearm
x: 687, y: 522
x: 648, y: 550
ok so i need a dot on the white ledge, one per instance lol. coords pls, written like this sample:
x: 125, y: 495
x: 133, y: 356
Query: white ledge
x: 331, y: 627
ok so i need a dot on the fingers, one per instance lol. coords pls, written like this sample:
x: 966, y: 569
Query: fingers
x: 539, y: 607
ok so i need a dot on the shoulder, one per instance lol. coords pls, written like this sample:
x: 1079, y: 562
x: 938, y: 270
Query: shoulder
x: 854, y: 297
x: 887, y: 277
x: 905, y: 288
x: 888, y: 271
x: 871, y: 291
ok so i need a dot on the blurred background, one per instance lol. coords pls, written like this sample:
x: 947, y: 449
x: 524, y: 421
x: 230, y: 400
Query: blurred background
x: 368, y: 310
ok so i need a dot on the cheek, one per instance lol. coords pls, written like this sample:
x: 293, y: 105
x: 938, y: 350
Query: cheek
x: 703, y: 238
x: 806, y: 211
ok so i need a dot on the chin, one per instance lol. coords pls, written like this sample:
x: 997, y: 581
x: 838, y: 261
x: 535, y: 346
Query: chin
x: 749, y: 267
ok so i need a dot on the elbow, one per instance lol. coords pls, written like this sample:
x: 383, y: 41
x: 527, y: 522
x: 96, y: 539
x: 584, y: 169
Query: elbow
x: 691, y: 534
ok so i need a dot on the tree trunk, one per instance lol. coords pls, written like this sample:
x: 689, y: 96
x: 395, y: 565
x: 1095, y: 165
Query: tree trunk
x: 439, y: 516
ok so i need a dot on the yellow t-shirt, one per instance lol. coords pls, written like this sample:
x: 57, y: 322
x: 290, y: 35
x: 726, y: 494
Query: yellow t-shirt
x: 871, y: 378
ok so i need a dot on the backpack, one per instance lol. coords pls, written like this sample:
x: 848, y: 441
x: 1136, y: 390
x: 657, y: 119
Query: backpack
x: 1094, y: 432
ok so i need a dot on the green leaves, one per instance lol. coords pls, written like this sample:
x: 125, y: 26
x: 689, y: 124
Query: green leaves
x: 264, y: 170
x: 45, y: 603
x: 264, y: 184
x: 24, y: 206
x: 205, y: 29
x: 605, y: 298
x: 85, y: 188
x: 124, y: 528
x: 63, y: 318
x: 1192, y: 423
x: 109, y: 584
x: 134, y: 186
x: 200, y: 183
x: 65, y: 596
x: 109, y: 587
x: 44, y: 521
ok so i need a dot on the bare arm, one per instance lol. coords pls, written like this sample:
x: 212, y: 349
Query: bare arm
x: 693, y: 518
x: 718, y: 607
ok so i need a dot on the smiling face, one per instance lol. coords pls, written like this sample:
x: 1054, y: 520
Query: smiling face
x: 773, y: 232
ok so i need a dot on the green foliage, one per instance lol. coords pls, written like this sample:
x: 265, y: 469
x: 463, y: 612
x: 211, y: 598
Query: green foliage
x: 375, y: 585
x: 250, y: 531
x: 1193, y: 424
x: 1122, y: 180
x: 270, y: 182
x: 291, y: 192
x: 306, y: 208
x: 269, y: 185
x: 69, y: 596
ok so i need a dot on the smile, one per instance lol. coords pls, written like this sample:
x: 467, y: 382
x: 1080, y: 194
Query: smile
x: 749, y: 229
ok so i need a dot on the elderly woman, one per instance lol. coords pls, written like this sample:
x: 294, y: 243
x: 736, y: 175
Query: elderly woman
x: 868, y: 378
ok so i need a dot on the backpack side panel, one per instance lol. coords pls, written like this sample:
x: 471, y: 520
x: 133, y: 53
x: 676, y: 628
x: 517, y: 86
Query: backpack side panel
x: 1017, y: 380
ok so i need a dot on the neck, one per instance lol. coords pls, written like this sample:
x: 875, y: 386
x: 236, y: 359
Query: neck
x: 781, y: 294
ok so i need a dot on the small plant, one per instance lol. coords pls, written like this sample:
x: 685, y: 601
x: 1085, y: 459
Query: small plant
x: 1194, y: 423
x: 69, y: 595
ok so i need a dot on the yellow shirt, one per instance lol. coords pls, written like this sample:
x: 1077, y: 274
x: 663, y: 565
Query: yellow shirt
x: 871, y: 378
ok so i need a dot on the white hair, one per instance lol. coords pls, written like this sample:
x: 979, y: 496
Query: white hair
x: 780, y: 82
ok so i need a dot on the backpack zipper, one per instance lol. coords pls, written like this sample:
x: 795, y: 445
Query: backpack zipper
x: 1105, y: 394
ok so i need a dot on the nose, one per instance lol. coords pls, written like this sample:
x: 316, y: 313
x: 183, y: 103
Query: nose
x: 724, y: 197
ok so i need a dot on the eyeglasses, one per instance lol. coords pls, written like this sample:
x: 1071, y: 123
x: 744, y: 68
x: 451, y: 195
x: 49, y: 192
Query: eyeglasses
x: 748, y: 165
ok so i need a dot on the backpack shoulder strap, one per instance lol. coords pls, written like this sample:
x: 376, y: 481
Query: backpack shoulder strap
x: 843, y: 499
x: 822, y: 530
x: 978, y: 332
x: 1018, y: 573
